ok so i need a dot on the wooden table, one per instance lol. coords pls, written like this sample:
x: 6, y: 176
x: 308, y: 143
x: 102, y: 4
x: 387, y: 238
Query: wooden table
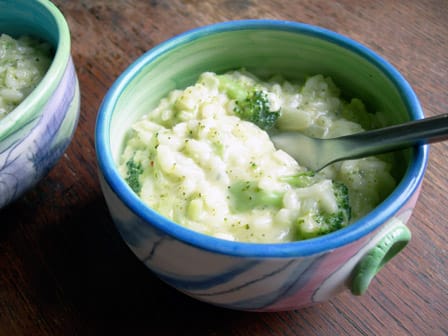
x: 65, y: 271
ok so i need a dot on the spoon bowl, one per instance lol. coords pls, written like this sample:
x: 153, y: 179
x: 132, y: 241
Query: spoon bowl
x: 316, y: 154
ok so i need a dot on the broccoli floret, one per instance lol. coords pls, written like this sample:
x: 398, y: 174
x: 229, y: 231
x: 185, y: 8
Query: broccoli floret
x: 320, y: 223
x: 251, y: 104
x: 247, y: 195
x: 255, y: 108
x: 343, y: 201
x: 135, y: 169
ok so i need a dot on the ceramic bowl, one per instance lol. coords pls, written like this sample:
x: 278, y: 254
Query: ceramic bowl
x: 247, y: 276
x: 36, y: 133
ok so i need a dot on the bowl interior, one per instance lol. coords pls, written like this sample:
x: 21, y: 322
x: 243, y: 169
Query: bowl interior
x: 295, y: 54
x: 22, y: 17
x: 264, y: 47
x: 40, y: 19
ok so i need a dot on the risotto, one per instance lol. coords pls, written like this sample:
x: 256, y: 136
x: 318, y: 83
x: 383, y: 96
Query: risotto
x: 203, y: 158
x: 23, y: 63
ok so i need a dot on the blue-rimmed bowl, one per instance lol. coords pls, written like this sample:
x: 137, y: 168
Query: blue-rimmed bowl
x: 36, y: 133
x: 247, y: 276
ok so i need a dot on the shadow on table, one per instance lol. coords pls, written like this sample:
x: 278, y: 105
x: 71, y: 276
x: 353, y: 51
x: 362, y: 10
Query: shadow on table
x: 97, y: 277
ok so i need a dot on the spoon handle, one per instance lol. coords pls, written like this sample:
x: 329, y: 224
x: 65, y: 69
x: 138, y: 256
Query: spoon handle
x: 417, y: 132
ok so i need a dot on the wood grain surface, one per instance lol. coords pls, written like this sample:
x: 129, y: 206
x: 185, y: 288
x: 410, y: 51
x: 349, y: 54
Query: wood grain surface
x: 65, y: 271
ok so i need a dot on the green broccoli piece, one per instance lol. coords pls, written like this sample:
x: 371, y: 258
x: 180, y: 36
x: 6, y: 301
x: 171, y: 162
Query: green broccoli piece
x: 255, y: 108
x: 300, y: 180
x: 343, y: 200
x: 232, y: 88
x: 246, y: 195
x: 318, y: 224
x: 135, y: 169
x: 356, y: 111
x: 251, y: 104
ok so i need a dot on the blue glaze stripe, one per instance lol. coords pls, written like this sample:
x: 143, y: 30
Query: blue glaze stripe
x: 248, y: 283
x: 298, y: 276
x: 205, y: 282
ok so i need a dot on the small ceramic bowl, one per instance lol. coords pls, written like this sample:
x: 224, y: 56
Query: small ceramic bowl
x: 36, y: 133
x: 247, y: 276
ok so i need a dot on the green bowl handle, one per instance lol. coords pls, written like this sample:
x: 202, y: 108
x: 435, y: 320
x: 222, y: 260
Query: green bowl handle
x: 392, y: 242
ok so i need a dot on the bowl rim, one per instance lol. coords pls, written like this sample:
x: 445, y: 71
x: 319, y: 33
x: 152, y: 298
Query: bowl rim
x: 399, y: 197
x: 48, y: 84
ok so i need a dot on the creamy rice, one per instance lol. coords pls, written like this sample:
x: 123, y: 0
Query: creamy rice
x: 23, y: 63
x: 192, y: 158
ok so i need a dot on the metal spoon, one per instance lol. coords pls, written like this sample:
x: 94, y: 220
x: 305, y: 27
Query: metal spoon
x: 316, y: 154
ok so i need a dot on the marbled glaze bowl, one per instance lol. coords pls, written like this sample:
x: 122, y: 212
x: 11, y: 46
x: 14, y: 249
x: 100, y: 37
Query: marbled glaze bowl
x: 245, y: 276
x: 36, y: 133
